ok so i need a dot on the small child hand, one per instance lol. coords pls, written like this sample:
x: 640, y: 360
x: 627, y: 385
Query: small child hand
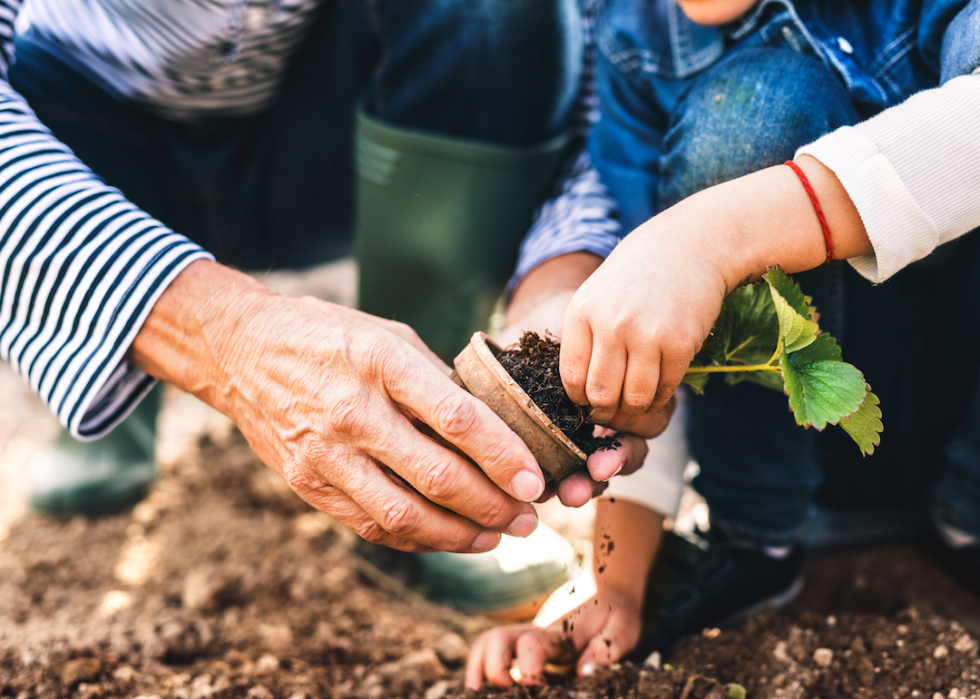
x: 599, y: 632
x: 633, y: 328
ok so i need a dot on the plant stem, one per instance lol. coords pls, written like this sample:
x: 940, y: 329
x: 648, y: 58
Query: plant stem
x: 747, y: 367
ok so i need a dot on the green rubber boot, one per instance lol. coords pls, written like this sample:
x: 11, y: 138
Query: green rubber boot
x: 439, y: 222
x: 510, y: 583
x: 100, y: 477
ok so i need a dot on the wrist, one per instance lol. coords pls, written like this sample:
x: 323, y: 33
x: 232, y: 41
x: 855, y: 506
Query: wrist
x: 773, y: 221
x: 561, y: 275
x: 626, y: 593
x: 191, y: 337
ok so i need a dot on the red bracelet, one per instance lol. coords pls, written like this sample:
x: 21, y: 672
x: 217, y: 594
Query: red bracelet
x: 816, y: 207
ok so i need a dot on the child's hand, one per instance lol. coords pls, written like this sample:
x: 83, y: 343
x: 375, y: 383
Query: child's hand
x: 599, y: 632
x: 633, y: 327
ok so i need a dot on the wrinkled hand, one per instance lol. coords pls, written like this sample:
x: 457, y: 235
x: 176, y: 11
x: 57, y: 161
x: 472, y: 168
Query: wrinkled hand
x: 328, y: 397
x: 599, y: 632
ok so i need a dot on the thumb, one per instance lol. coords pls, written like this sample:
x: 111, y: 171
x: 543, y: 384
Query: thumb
x: 617, y: 638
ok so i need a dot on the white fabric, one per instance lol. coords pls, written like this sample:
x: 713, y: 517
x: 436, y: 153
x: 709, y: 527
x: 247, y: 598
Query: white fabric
x: 659, y: 483
x: 913, y: 172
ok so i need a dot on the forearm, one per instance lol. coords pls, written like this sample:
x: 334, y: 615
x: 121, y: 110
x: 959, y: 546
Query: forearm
x: 763, y: 219
x: 82, y: 268
x: 190, y: 336
x: 545, y: 291
x: 912, y: 173
x: 625, y: 543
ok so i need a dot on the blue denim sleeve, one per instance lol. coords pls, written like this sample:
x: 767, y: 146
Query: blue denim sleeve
x: 627, y: 142
x: 949, y: 36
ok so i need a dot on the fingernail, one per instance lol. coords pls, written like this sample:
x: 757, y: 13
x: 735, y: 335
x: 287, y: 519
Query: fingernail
x: 523, y: 525
x: 527, y: 486
x: 621, y: 465
x: 588, y: 669
x: 485, y: 542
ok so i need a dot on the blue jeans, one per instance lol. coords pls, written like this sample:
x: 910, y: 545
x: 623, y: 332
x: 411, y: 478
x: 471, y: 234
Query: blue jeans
x: 760, y: 472
x: 275, y: 189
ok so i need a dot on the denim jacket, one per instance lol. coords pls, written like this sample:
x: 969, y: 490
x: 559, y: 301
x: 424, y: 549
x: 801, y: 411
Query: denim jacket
x: 650, y: 52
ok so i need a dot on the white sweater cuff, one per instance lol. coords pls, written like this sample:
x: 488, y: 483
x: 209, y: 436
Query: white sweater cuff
x: 913, y: 173
x: 900, y: 232
x: 659, y: 483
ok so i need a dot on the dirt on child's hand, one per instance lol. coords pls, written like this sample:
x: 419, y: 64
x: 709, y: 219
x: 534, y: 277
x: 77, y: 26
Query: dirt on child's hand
x: 599, y: 632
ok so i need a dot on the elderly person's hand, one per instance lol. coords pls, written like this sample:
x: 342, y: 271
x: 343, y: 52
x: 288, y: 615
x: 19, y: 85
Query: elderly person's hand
x: 330, y: 397
x: 539, y: 304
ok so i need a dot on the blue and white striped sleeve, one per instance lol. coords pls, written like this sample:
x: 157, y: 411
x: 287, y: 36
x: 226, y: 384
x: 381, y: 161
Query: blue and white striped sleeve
x: 581, y: 216
x: 80, y: 269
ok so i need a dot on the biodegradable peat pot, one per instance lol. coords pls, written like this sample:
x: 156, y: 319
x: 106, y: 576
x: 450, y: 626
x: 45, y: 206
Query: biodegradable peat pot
x: 481, y: 374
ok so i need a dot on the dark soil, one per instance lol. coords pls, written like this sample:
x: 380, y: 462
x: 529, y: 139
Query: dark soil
x: 533, y: 363
x: 224, y: 584
x: 874, y: 646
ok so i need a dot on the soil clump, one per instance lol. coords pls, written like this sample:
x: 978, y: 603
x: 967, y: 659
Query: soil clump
x: 533, y: 363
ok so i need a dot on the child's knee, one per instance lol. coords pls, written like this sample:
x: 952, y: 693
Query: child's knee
x: 751, y: 110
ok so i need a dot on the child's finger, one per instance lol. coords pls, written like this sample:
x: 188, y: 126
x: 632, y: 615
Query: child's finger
x: 474, y: 663
x: 641, y: 378
x: 673, y: 366
x: 573, y: 362
x: 534, y: 649
x: 498, y: 654
x: 648, y: 425
x: 603, y: 387
x: 624, y: 459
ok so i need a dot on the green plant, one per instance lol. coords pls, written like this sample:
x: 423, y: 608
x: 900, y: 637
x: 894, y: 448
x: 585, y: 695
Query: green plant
x: 767, y: 333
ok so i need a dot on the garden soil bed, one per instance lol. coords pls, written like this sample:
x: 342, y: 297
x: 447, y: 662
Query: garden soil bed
x: 224, y: 584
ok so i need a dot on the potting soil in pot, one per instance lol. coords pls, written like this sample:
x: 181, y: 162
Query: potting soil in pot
x: 533, y: 363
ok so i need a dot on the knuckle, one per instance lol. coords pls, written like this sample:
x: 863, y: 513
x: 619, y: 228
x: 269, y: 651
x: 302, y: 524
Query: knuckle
x: 302, y: 480
x: 370, y: 530
x: 346, y: 412
x: 571, y: 378
x: 403, y: 330
x: 378, y: 355
x: 456, y: 414
x: 400, y: 518
x: 438, y: 481
x: 496, y: 457
x: 497, y: 514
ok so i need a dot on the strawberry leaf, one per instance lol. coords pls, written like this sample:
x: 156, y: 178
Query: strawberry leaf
x: 747, y: 329
x: 696, y: 381
x: 821, y: 387
x: 794, y: 313
x: 864, y: 425
x: 783, y: 284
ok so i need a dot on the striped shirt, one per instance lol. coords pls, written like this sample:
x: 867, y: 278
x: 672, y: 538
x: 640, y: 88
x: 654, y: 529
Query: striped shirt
x: 581, y: 215
x: 80, y: 266
x: 180, y: 58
